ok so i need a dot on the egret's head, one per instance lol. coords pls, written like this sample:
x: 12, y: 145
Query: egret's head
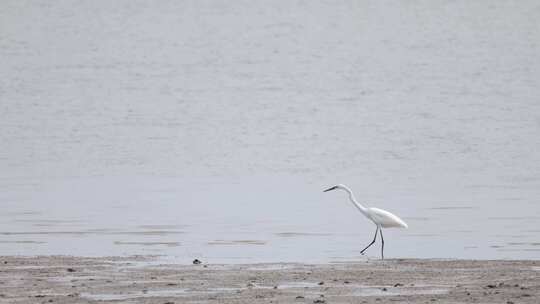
x: 339, y: 186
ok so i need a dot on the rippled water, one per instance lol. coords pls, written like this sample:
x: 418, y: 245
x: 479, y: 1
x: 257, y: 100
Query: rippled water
x: 209, y: 129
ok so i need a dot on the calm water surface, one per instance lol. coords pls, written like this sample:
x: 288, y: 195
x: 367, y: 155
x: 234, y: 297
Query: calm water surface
x: 205, y: 129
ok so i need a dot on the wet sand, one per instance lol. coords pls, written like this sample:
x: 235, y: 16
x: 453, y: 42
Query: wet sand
x: 64, y: 279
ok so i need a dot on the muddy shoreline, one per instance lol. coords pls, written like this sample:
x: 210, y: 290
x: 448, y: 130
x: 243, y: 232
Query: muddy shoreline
x: 66, y: 279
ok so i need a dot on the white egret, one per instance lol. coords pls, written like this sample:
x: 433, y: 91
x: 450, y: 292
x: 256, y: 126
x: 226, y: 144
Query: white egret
x: 381, y: 218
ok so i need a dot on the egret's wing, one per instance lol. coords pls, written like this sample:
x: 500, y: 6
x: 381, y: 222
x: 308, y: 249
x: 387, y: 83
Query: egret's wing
x: 386, y: 219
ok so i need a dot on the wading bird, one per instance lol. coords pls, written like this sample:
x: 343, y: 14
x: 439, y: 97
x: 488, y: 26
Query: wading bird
x: 381, y: 218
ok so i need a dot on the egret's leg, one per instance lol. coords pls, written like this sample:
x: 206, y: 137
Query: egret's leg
x: 382, y: 246
x: 375, y: 238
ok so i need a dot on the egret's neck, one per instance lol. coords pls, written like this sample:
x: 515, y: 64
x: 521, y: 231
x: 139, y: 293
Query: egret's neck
x: 355, y: 202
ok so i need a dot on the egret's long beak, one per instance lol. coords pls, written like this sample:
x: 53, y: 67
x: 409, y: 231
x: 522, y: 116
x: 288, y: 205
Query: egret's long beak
x: 331, y: 188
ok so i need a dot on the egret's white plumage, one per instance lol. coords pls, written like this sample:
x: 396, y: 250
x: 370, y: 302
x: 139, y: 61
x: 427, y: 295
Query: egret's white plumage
x: 386, y: 219
x: 381, y: 218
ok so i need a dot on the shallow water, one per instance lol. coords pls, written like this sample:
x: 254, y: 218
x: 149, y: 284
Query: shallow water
x: 204, y: 130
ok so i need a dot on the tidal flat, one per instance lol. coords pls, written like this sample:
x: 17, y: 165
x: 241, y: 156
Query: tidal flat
x: 145, y: 279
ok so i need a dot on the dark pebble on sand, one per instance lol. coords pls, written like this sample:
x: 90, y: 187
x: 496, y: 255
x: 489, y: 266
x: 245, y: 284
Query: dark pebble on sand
x: 71, y: 270
x: 196, y: 262
x: 398, y: 285
x: 321, y: 283
x: 299, y: 297
x: 347, y: 282
x: 491, y: 286
x: 384, y: 289
x: 509, y: 302
x: 319, y: 301
x: 168, y: 303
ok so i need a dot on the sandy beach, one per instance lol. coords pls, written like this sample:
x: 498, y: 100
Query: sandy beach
x: 65, y: 279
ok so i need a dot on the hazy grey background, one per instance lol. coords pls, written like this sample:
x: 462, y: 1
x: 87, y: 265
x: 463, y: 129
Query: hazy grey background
x: 209, y: 128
